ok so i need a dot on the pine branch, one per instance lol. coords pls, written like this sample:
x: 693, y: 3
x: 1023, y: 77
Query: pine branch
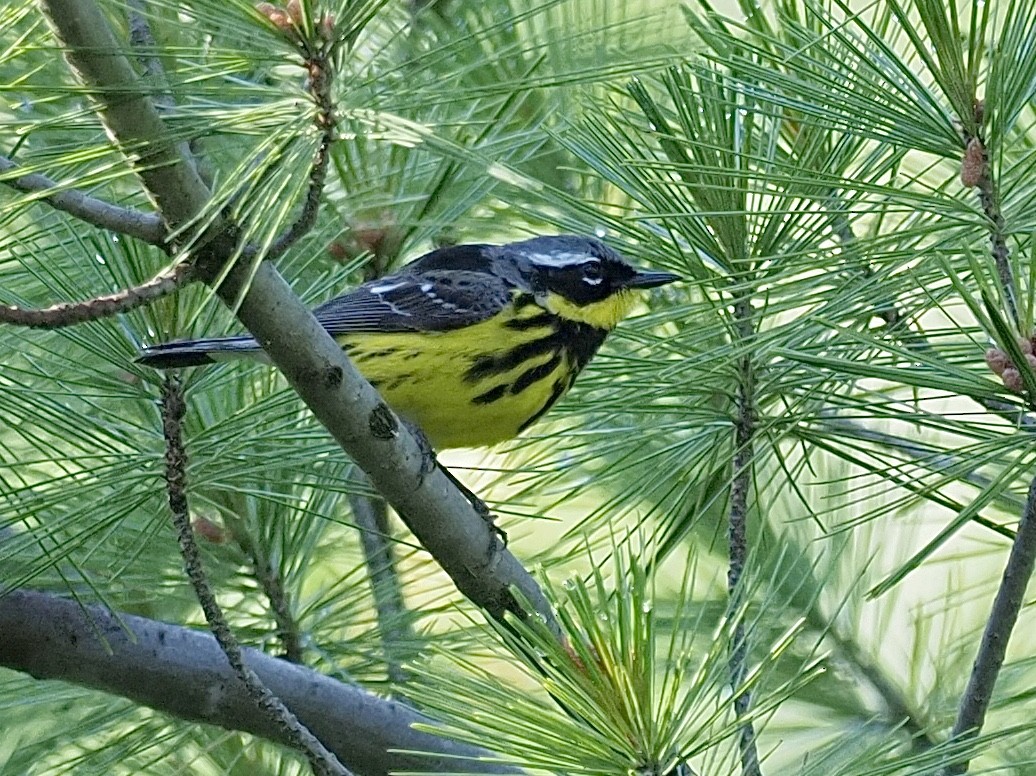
x: 975, y: 171
x: 323, y: 762
x: 273, y: 586
x: 183, y: 673
x: 317, y: 57
x: 371, y: 518
x: 71, y: 313
x: 741, y: 483
x: 146, y: 227
x: 993, y: 648
x: 443, y: 520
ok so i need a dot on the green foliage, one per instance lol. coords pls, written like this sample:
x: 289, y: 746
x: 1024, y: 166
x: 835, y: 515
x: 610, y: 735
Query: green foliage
x: 802, y: 158
x: 636, y: 690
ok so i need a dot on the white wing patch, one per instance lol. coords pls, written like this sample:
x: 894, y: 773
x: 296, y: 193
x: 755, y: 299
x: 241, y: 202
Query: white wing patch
x: 384, y: 288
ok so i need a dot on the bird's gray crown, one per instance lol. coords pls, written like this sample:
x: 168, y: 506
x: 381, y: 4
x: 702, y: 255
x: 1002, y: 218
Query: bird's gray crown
x: 562, y: 250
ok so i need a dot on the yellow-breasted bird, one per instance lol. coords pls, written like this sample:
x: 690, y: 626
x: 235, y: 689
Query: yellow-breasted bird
x: 473, y: 343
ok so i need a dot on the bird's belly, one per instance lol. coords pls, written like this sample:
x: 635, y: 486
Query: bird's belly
x: 426, y: 378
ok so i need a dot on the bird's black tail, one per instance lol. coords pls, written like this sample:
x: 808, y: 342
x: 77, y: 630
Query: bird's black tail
x: 171, y: 355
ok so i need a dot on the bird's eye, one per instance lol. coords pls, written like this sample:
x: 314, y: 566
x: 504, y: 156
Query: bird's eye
x: 593, y: 272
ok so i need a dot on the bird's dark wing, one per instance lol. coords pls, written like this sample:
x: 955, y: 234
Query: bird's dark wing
x: 430, y: 300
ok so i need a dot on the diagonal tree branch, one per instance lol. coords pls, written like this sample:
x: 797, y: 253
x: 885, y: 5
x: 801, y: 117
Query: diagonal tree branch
x: 183, y: 672
x: 993, y: 648
x: 443, y: 520
x: 971, y: 714
x: 144, y: 226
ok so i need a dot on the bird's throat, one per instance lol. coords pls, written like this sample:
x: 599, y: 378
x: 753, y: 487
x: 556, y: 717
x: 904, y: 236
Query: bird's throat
x: 605, y: 314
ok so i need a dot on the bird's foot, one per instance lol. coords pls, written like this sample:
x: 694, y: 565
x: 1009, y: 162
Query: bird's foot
x: 429, y: 462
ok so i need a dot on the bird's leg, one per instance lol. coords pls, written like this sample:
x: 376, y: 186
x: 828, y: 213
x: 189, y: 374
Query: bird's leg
x: 429, y: 461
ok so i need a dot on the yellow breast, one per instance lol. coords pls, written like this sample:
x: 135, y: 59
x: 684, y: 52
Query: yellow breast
x: 480, y: 384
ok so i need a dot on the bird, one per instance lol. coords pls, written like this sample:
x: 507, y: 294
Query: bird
x: 471, y: 343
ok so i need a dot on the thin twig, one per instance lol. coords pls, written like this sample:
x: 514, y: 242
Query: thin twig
x: 989, y: 196
x: 371, y: 517
x: 1008, y: 603
x: 935, y: 460
x: 741, y: 483
x: 323, y: 762
x: 162, y: 160
x: 273, y: 586
x: 847, y: 237
x: 147, y: 227
x: 70, y: 313
x: 321, y: 75
x: 370, y: 514
x: 898, y: 709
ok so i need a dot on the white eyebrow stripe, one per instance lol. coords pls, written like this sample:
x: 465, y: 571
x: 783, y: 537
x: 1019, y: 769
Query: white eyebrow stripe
x: 558, y: 259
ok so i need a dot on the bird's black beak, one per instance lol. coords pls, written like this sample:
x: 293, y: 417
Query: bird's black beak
x: 644, y: 279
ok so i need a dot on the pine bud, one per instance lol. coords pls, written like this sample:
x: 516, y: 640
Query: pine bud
x: 294, y: 9
x: 209, y: 531
x: 278, y: 18
x: 973, y: 167
x: 327, y: 27
x: 1013, y: 380
x: 997, y: 361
